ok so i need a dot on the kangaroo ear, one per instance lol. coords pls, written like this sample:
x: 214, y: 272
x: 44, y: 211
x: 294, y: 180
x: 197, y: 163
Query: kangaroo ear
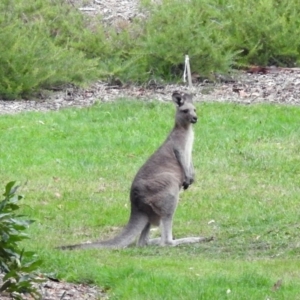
x: 178, y: 98
x: 188, y: 98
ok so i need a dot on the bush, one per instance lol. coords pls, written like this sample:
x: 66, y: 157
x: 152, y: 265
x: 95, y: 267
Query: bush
x: 48, y: 42
x: 42, y: 45
x: 265, y: 32
x: 175, y: 28
x: 217, y: 34
x: 18, y: 265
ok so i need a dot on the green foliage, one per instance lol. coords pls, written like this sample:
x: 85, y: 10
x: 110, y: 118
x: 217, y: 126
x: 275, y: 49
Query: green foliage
x: 265, y: 32
x: 217, y: 35
x: 41, y: 44
x: 176, y: 28
x: 19, y: 266
x: 50, y: 42
x: 154, y: 48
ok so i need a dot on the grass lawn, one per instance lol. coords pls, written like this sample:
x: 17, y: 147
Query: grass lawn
x: 76, y: 167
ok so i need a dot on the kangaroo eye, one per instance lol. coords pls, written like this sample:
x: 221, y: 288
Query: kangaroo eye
x: 185, y: 111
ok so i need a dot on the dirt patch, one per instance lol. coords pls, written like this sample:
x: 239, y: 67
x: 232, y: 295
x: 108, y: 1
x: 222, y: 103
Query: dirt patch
x: 59, y: 290
x: 276, y: 86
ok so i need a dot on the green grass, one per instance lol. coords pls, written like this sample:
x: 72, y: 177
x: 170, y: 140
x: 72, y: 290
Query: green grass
x: 78, y: 165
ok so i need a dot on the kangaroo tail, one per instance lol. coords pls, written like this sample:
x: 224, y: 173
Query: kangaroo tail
x: 136, y: 224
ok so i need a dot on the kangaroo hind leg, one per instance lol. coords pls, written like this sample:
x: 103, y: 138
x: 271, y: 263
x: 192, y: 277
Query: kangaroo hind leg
x: 167, y: 225
x: 165, y: 206
x: 144, y: 237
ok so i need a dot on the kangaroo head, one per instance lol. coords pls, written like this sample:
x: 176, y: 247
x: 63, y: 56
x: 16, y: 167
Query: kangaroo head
x: 186, y: 111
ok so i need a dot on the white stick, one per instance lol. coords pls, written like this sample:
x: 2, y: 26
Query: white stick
x: 187, y: 72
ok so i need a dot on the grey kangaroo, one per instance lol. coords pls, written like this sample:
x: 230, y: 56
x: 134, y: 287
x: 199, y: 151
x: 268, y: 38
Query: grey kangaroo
x: 155, y: 189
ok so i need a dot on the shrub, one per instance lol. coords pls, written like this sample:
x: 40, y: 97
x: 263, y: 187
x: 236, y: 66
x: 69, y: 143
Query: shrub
x: 265, y: 32
x: 42, y: 45
x: 18, y: 265
x: 48, y: 42
x: 173, y: 29
x: 218, y: 35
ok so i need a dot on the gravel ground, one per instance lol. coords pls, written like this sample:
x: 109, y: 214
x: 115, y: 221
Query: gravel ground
x: 58, y: 290
x: 276, y: 86
x: 269, y: 85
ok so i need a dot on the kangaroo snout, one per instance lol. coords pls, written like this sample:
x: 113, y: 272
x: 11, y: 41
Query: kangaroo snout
x: 194, y: 120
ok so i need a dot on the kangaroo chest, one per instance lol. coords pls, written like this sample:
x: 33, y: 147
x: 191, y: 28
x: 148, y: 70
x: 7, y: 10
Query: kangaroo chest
x: 189, y: 146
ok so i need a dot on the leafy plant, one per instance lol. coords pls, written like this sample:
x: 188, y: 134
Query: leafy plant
x: 42, y: 46
x: 19, y: 266
x: 265, y: 32
x: 157, y: 46
x: 217, y: 35
x: 45, y: 43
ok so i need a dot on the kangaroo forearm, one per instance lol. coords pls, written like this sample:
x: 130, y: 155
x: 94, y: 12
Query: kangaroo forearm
x: 182, y: 163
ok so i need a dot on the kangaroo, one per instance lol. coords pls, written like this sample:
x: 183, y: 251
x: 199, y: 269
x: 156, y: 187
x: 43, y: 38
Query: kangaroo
x: 155, y: 189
